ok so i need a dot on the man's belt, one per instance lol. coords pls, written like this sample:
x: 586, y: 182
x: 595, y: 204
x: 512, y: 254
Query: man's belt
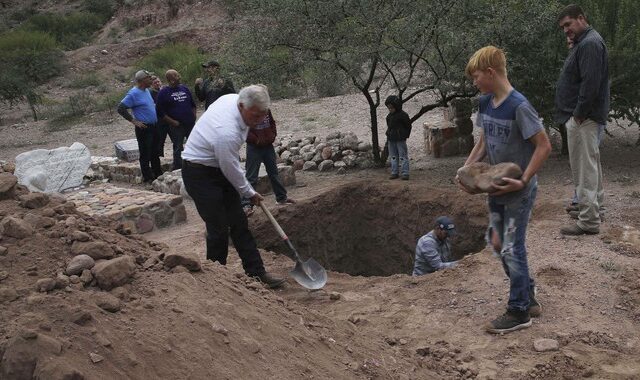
x: 201, y: 166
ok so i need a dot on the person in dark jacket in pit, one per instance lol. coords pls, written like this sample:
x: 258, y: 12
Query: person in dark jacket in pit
x: 398, y: 131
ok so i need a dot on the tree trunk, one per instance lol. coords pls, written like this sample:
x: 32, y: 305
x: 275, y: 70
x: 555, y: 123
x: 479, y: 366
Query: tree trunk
x: 373, y: 114
x: 33, y: 110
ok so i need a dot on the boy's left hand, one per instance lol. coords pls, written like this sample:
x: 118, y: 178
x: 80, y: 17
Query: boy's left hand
x: 510, y: 186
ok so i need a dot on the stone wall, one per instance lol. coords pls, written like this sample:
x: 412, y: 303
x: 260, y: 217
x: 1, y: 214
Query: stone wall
x: 171, y: 182
x: 454, y: 135
x: 138, y: 211
x: 117, y: 170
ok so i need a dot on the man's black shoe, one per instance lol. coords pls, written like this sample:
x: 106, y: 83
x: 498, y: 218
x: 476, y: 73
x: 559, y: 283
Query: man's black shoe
x: 270, y: 280
x: 512, y: 320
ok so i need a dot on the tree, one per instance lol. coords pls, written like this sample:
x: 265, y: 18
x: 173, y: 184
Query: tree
x: 418, y: 48
x: 28, y: 59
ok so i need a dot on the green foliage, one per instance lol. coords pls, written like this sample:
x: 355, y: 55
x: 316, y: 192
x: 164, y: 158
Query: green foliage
x: 102, y: 8
x: 71, y: 31
x: 186, y: 59
x: 28, y: 59
x: 90, y: 79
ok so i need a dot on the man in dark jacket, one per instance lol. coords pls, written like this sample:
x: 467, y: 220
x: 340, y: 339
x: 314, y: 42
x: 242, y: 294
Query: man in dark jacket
x: 582, y: 103
x: 398, y: 131
x: 260, y: 150
x: 213, y: 86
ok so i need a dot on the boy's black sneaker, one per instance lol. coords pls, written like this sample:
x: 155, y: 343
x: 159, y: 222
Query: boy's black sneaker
x: 535, y: 308
x: 510, y: 321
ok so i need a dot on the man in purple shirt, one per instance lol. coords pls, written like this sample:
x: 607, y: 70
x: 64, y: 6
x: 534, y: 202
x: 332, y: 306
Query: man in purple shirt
x: 176, y: 107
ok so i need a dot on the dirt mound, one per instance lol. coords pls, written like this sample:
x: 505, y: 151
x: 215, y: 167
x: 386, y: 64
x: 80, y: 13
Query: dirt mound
x: 156, y: 323
x: 372, y: 229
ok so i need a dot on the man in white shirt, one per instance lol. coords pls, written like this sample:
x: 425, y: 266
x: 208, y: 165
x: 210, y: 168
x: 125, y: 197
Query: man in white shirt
x: 215, y: 180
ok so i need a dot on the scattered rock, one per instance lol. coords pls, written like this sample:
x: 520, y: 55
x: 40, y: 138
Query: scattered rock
x: 8, y: 294
x: 94, y: 249
x: 80, y: 236
x: 34, y: 200
x: 107, y: 302
x: 309, y: 166
x: 95, y: 358
x: 15, y: 228
x: 544, y: 345
x: 79, y: 263
x: 325, y: 165
x: 3, y: 250
x: 38, y: 221
x: 86, y: 277
x: 22, y: 356
x: 45, y: 284
x: 188, y: 260
x: 114, y: 272
x: 7, y: 185
x: 57, y: 369
x: 179, y: 269
x: 62, y: 281
x: 80, y: 317
x: 335, y: 296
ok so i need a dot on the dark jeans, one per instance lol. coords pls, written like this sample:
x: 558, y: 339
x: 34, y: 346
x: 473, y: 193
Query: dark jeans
x: 163, y: 131
x: 218, y: 204
x: 149, y: 155
x: 257, y: 155
x: 178, y: 135
x: 510, y: 223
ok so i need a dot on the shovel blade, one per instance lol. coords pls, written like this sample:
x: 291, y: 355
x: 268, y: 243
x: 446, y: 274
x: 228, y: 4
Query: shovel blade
x: 310, y: 274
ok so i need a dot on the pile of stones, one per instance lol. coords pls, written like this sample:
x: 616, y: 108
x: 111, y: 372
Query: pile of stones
x: 338, y: 150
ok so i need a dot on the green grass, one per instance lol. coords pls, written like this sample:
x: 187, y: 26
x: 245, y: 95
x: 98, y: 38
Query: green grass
x: 84, y: 81
x: 184, y: 58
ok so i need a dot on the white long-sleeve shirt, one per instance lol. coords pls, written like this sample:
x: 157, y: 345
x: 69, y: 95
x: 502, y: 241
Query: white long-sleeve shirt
x: 216, y: 140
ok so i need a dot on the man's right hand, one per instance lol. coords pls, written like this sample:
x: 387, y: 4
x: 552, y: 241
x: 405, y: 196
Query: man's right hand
x: 139, y: 124
x: 256, y: 199
x: 198, y: 81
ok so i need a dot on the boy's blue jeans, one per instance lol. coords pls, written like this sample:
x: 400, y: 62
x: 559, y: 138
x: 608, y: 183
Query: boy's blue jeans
x: 510, y: 221
x: 398, y: 152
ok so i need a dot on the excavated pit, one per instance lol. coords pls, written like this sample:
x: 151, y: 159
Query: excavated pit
x: 366, y: 229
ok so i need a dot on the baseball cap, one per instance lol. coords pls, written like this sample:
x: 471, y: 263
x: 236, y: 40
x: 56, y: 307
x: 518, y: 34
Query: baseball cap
x: 141, y: 74
x: 445, y: 223
x: 211, y: 63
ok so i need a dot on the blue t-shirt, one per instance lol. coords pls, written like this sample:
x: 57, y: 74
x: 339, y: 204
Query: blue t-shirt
x: 178, y: 104
x: 507, y: 129
x: 141, y: 104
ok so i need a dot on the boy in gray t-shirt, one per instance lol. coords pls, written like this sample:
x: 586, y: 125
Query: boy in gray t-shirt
x: 510, y: 132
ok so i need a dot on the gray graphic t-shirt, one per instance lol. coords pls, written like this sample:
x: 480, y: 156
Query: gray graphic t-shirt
x: 507, y: 129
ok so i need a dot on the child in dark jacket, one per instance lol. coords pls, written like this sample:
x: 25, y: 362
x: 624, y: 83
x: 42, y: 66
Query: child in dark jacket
x: 398, y: 130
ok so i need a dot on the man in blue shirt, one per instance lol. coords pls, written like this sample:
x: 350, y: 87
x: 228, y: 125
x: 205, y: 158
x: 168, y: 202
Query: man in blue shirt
x: 176, y: 107
x: 433, y: 251
x: 144, y: 119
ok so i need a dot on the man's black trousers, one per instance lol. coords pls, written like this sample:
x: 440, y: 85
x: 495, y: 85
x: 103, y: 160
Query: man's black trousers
x: 218, y: 204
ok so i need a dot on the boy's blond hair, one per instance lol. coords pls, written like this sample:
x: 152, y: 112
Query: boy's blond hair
x: 487, y: 57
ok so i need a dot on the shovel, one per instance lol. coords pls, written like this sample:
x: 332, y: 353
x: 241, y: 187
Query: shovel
x: 310, y: 273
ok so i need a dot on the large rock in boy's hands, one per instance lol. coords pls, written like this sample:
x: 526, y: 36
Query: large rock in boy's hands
x: 481, y: 177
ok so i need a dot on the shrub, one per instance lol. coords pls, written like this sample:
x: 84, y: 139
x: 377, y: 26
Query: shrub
x: 28, y: 59
x: 90, y: 79
x: 186, y: 59
x: 70, y: 31
x: 102, y: 8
